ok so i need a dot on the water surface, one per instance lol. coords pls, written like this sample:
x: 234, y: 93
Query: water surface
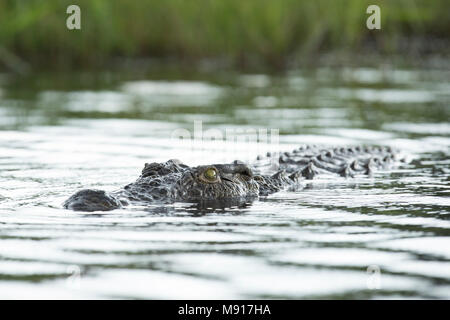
x: 387, y: 236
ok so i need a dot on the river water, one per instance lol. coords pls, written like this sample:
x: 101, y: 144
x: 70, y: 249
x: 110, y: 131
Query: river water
x: 386, y: 236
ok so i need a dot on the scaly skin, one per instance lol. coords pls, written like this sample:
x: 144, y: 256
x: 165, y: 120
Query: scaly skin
x: 174, y: 181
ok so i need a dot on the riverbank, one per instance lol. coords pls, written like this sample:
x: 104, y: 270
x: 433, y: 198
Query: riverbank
x: 254, y: 34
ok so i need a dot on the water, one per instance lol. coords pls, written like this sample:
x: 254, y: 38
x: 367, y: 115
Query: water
x: 382, y: 237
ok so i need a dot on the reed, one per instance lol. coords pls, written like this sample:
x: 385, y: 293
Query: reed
x: 264, y: 30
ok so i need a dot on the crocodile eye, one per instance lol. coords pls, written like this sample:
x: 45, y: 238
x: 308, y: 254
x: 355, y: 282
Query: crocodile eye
x: 210, y: 174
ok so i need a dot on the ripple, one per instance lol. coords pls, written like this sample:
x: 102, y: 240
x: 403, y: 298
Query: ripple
x: 437, y: 246
x: 316, y: 242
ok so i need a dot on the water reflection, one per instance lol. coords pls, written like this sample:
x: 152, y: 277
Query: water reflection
x: 60, y: 133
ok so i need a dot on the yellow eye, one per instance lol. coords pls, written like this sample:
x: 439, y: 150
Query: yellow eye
x: 210, y: 174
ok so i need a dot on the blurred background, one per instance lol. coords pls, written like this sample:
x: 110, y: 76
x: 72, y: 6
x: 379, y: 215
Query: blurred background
x: 254, y: 33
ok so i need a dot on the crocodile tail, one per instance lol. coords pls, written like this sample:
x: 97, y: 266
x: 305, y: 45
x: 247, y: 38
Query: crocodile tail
x: 310, y: 161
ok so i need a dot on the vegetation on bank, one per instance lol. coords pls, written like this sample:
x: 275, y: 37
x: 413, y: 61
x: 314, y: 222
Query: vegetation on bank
x: 269, y: 31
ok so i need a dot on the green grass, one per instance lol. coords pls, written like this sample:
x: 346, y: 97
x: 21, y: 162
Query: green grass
x: 269, y: 31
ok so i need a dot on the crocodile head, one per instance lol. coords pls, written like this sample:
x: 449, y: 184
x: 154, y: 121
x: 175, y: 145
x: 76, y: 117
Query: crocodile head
x: 218, y: 181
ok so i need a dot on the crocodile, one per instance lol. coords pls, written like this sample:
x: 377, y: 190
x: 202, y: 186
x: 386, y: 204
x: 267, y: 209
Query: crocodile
x: 174, y: 181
